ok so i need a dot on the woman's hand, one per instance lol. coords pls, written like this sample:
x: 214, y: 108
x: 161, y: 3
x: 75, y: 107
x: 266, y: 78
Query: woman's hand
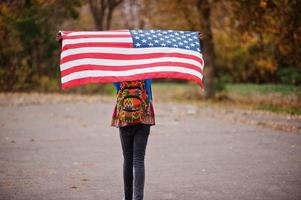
x: 59, y: 37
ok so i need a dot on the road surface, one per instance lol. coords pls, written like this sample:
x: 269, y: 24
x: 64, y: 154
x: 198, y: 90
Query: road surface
x: 67, y: 150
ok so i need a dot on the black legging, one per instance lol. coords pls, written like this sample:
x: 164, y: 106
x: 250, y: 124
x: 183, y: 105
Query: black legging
x: 134, y: 141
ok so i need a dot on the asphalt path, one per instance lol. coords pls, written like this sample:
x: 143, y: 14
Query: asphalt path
x: 67, y: 150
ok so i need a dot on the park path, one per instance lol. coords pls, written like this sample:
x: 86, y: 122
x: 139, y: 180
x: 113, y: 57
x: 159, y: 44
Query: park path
x: 67, y: 150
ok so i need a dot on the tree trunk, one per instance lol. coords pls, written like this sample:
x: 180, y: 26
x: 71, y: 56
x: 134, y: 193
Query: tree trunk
x: 102, y: 12
x: 208, y: 47
x: 109, y: 19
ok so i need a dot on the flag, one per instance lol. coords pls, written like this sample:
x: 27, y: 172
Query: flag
x: 124, y: 55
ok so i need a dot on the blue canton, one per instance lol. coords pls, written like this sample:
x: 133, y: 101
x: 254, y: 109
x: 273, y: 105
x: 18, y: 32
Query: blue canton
x: 166, y: 38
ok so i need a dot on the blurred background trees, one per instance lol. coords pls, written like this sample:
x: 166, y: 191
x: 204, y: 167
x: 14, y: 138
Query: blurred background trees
x: 243, y: 41
x: 29, y: 53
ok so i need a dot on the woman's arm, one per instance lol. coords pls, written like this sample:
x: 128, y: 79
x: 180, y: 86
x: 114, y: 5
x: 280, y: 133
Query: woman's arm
x: 117, y: 86
x: 148, y: 86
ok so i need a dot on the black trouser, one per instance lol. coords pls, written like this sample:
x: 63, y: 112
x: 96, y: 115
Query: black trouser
x: 134, y: 141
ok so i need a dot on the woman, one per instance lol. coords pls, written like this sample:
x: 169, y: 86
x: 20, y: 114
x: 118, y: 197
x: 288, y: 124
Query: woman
x: 133, y: 115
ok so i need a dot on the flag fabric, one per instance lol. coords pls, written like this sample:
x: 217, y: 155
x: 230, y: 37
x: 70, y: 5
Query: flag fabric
x: 125, y: 55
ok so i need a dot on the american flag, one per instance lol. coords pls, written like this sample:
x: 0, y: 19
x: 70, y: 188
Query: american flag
x: 124, y: 55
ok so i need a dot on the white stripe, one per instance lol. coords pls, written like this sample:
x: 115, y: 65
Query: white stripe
x: 84, y: 40
x: 111, y: 62
x: 127, y: 51
x: 99, y: 73
x: 122, y: 32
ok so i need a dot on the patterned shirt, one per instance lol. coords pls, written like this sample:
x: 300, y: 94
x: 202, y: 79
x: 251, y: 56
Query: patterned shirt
x: 149, y: 115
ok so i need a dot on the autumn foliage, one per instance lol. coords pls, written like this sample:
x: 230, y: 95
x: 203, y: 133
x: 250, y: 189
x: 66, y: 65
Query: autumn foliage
x: 244, y: 41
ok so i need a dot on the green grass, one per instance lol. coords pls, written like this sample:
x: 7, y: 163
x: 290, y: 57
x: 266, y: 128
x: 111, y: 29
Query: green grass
x: 169, y: 85
x: 269, y: 97
x: 279, y: 109
x: 240, y: 88
x: 250, y: 88
x: 176, y: 91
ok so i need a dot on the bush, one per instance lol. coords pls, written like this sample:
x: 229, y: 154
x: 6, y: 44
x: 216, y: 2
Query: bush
x: 289, y: 75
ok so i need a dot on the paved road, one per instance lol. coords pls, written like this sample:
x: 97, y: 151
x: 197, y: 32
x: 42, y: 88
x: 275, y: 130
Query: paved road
x: 69, y: 151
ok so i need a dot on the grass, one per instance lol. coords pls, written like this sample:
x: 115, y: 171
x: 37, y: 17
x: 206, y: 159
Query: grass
x: 176, y: 91
x: 250, y: 88
x: 280, y: 109
x: 269, y: 97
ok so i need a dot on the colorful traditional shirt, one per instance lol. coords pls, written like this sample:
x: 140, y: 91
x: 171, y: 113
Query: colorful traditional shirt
x: 149, y: 115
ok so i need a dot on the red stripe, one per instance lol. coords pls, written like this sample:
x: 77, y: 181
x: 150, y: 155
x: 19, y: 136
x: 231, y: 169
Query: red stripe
x: 97, y: 36
x: 128, y: 56
x: 66, y: 32
x: 84, y: 81
x: 120, y: 68
x: 99, y: 44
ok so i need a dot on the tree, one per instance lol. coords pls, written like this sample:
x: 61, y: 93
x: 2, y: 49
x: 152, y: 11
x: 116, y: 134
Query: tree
x: 276, y: 27
x: 204, y: 8
x: 27, y: 40
x: 133, y: 14
x: 102, y: 12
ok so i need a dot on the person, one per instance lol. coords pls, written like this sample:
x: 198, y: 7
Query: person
x: 134, y: 115
x: 134, y: 129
